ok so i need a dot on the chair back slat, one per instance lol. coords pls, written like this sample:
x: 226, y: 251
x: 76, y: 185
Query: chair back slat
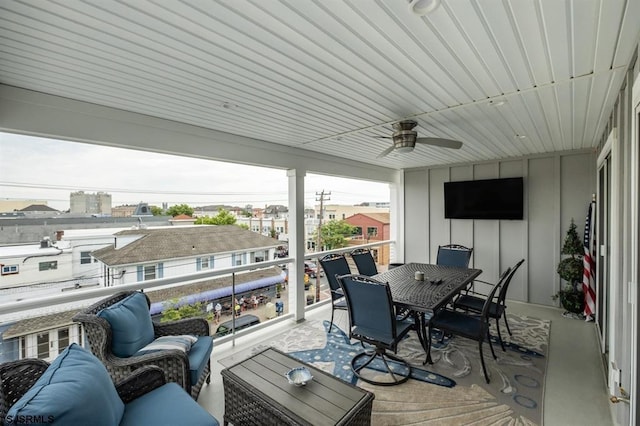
x: 335, y: 264
x: 486, y: 308
x: 370, y: 305
x: 505, y: 287
x: 364, y: 262
x: 454, y: 255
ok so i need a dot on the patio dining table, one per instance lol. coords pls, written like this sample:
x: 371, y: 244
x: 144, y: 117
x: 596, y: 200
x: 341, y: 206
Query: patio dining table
x: 424, y: 297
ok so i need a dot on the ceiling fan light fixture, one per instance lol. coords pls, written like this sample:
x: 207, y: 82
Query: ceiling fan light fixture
x: 403, y: 149
x: 423, y: 7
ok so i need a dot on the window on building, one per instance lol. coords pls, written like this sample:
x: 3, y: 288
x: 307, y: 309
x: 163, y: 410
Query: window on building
x: 259, y: 256
x: 238, y: 259
x: 149, y: 272
x: 63, y: 339
x: 358, y: 230
x: 85, y: 257
x: 10, y: 269
x: 43, y: 345
x: 204, y: 262
x: 332, y: 216
x: 46, y: 266
x: 23, y: 347
x: 372, y: 231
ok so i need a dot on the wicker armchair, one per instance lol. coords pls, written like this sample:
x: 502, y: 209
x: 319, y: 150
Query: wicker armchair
x: 174, y: 363
x: 17, y: 377
x: 167, y: 401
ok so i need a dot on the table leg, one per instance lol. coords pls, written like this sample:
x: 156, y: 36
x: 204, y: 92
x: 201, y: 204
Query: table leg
x: 427, y: 331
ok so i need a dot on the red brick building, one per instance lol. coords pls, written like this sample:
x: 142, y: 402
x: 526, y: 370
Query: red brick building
x: 372, y: 227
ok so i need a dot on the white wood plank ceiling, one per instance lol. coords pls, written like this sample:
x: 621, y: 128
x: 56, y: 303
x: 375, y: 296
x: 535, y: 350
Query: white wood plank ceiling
x: 329, y: 75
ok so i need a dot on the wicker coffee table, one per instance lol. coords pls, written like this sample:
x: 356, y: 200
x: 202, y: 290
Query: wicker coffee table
x: 256, y: 392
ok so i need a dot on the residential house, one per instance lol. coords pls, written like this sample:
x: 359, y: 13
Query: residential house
x: 30, y: 264
x: 147, y: 254
x: 35, y: 210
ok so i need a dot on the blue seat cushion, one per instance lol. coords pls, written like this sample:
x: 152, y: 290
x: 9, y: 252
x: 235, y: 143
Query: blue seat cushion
x: 199, y: 357
x: 167, y: 405
x: 459, y: 323
x: 74, y: 390
x: 131, y: 325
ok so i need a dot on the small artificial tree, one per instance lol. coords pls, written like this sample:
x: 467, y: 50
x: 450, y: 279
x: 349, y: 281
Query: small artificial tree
x: 570, y: 270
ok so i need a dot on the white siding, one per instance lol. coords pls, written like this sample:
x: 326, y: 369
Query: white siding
x: 568, y: 176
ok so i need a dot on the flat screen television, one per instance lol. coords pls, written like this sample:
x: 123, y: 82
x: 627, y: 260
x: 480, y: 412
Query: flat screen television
x: 484, y: 199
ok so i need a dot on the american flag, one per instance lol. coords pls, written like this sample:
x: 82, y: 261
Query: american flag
x: 589, y: 261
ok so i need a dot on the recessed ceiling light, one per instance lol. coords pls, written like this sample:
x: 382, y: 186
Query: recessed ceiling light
x: 497, y: 103
x: 521, y: 136
x: 422, y: 7
x: 228, y: 105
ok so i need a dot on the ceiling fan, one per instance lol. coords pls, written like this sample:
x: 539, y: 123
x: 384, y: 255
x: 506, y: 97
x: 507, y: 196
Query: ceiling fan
x: 405, y: 139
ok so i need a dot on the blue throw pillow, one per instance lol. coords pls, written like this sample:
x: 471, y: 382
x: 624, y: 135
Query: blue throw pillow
x: 76, y: 389
x: 163, y: 343
x: 131, y: 325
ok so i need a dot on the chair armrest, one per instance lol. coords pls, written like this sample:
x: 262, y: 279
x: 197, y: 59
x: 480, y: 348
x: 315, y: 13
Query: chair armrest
x: 140, y: 382
x: 174, y: 363
x: 194, y: 326
x: 469, y: 291
x: 16, y: 378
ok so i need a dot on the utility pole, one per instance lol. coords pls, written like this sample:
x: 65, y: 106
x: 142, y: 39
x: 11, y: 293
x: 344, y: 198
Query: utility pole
x: 324, y: 196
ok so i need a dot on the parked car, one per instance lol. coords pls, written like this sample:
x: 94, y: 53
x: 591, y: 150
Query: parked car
x: 311, y: 269
x: 243, y: 321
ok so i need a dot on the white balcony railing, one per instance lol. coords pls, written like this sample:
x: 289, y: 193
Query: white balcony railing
x: 77, y: 299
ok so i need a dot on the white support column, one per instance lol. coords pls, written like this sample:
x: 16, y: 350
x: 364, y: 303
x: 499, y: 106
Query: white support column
x: 396, y: 190
x: 297, y: 300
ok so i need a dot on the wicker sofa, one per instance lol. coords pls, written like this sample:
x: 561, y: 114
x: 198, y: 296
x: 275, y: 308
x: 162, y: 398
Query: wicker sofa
x: 117, y: 327
x: 76, y: 389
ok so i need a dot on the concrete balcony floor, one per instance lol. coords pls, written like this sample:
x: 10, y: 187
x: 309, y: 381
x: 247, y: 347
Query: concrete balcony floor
x: 575, y: 390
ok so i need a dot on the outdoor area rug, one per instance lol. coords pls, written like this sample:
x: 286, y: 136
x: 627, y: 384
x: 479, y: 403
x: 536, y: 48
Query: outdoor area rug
x: 452, y: 391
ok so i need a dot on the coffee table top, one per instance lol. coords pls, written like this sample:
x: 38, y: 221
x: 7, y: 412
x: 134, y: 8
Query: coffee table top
x: 325, y: 400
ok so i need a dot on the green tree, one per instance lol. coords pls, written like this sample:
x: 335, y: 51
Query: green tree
x: 156, y: 211
x: 173, y: 313
x: 570, y: 268
x: 222, y: 218
x: 243, y: 226
x: 179, y: 209
x: 334, y: 234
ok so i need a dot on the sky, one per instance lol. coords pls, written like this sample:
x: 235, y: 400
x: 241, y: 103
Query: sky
x: 46, y: 169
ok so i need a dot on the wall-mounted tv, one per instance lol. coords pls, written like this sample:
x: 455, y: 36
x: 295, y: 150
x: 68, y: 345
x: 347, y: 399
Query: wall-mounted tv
x: 484, y: 199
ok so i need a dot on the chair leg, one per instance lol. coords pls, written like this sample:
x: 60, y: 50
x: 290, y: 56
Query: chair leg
x: 395, y: 377
x: 484, y: 368
x: 491, y: 345
x: 331, y: 322
x: 500, y: 335
x: 506, y: 323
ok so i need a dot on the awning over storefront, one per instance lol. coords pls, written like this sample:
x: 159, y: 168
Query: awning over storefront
x: 219, y: 293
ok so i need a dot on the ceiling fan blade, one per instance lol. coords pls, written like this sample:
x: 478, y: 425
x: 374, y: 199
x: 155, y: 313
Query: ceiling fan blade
x: 385, y: 152
x: 444, y: 143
